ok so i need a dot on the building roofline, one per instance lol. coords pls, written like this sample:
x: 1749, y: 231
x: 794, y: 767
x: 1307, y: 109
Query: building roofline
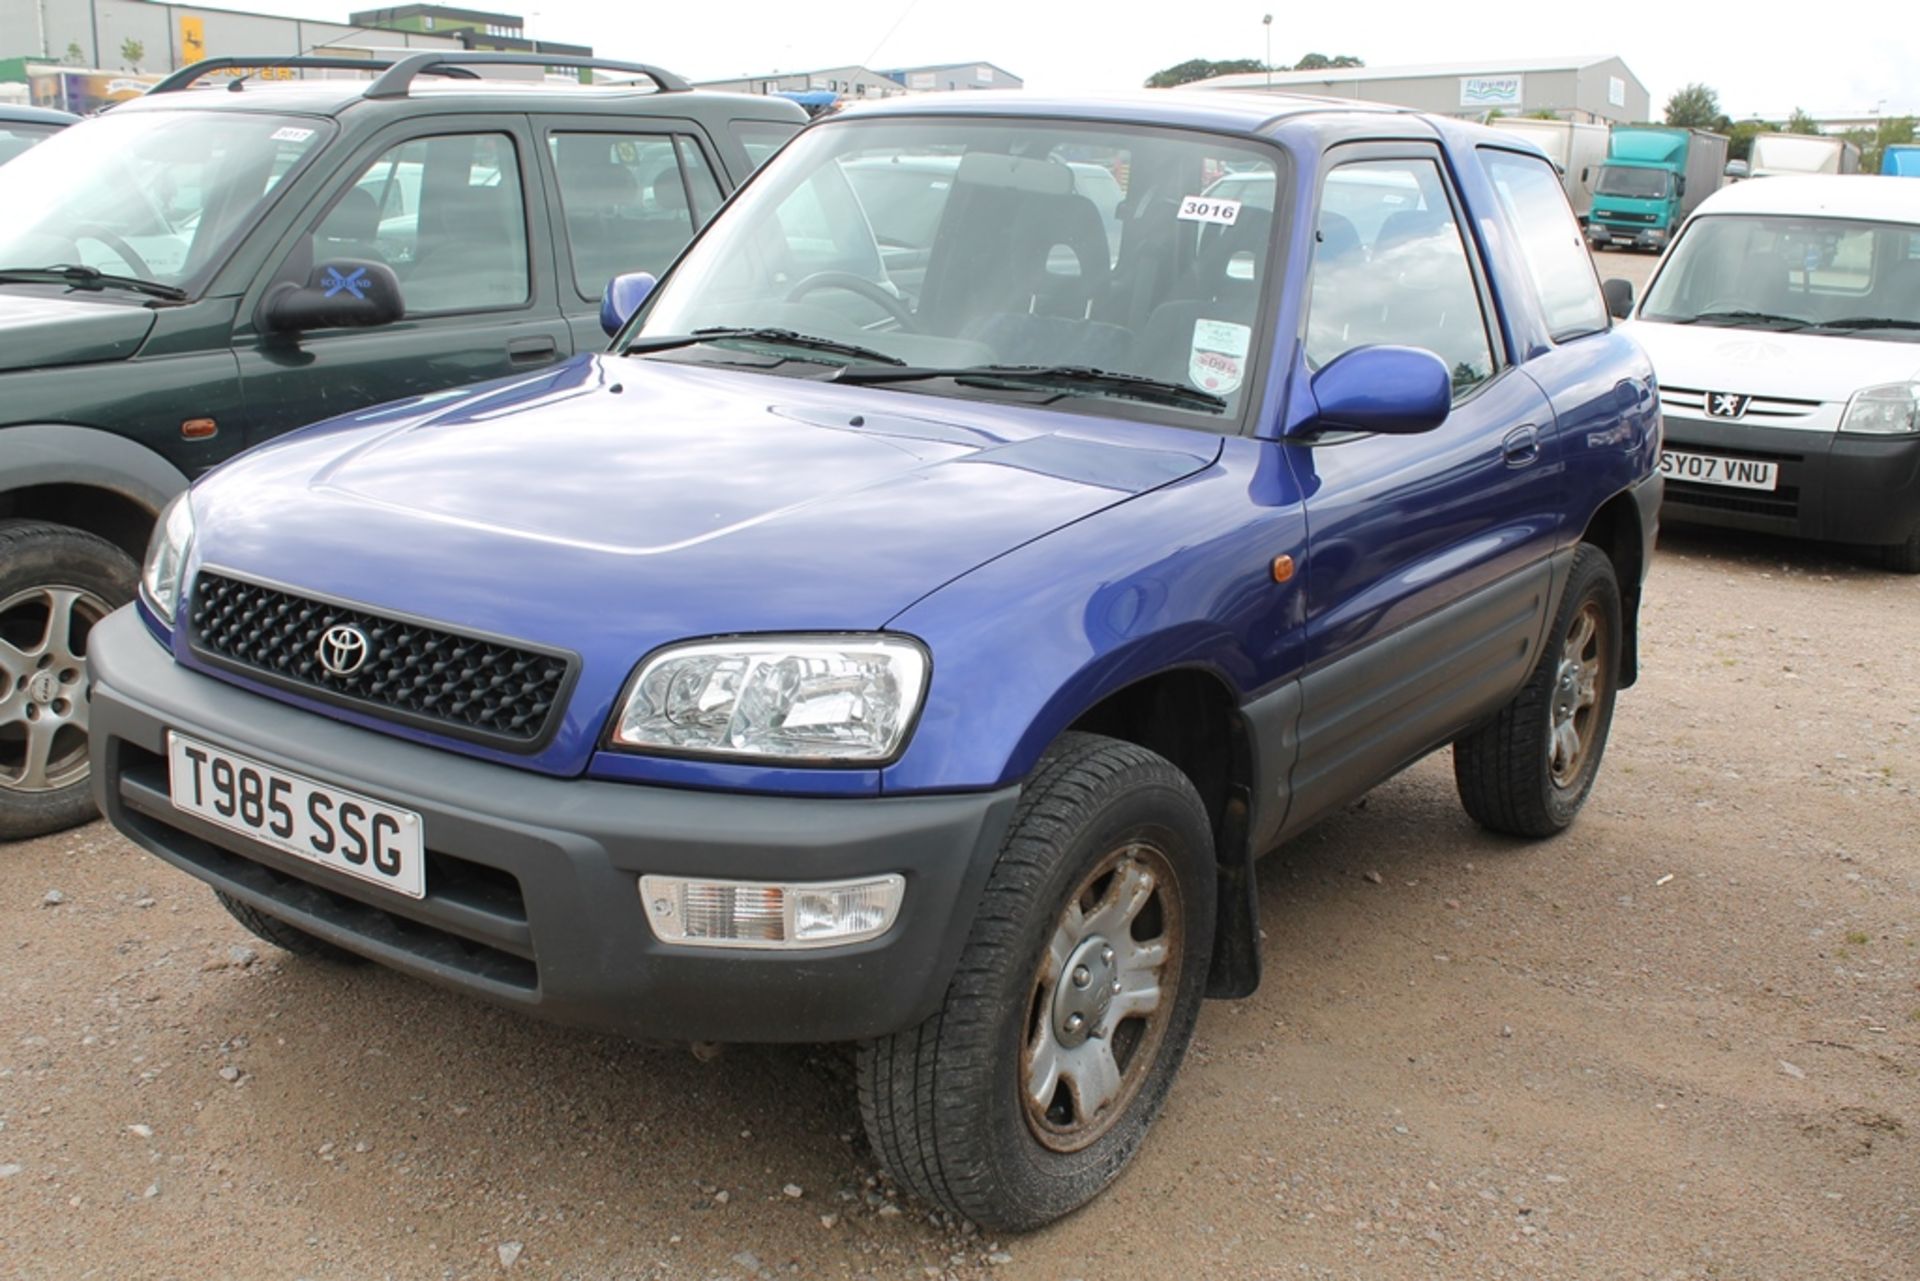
x: 1413, y: 71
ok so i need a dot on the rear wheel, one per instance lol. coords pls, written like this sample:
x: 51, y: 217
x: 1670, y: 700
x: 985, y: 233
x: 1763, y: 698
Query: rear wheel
x: 55, y: 584
x: 1031, y: 1088
x: 288, y: 938
x: 1527, y: 772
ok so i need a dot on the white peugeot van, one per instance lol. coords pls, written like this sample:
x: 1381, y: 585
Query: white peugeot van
x: 1784, y: 327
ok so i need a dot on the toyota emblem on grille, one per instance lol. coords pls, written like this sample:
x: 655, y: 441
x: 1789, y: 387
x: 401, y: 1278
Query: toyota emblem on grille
x: 343, y: 649
x: 1725, y: 404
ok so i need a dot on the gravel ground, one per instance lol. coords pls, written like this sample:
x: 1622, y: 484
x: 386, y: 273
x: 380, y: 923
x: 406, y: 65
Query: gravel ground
x: 1681, y: 1041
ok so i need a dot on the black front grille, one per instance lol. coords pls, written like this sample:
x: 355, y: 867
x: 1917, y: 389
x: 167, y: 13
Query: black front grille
x: 468, y: 686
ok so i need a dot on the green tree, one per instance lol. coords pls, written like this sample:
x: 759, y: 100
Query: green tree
x: 1321, y: 62
x: 1892, y: 131
x: 1694, y: 107
x: 1201, y: 69
x: 133, y: 53
x: 1740, y: 137
x: 1801, y: 122
x: 76, y: 56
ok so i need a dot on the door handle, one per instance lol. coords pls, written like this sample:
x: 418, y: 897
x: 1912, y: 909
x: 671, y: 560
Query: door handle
x: 1522, y: 446
x: 528, y: 351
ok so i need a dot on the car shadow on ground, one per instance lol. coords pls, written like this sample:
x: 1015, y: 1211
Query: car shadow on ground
x: 1767, y: 552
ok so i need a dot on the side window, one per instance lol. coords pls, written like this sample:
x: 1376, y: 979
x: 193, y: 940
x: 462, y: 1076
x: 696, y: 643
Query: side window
x: 446, y: 214
x: 625, y: 202
x: 1550, y: 241
x: 761, y: 138
x: 1389, y: 266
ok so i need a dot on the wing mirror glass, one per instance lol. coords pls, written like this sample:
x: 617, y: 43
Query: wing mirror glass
x: 340, y: 293
x: 1619, y: 297
x: 1398, y: 391
x: 624, y: 295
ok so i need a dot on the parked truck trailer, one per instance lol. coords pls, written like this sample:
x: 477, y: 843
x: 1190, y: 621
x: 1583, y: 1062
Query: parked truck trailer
x: 1796, y: 153
x: 1577, y: 150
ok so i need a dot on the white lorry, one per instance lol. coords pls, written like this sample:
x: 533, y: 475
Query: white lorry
x: 1576, y: 149
x: 1799, y: 153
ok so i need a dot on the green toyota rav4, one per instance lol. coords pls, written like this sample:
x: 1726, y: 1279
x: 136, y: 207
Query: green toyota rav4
x: 206, y: 267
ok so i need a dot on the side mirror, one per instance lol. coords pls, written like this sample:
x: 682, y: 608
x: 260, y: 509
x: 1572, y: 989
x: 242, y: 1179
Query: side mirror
x: 622, y: 298
x: 343, y: 293
x: 1586, y: 175
x: 1619, y: 295
x: 1679, y: 185
x: 1400, y: 391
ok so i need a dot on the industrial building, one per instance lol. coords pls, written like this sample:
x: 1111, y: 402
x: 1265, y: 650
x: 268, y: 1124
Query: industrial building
x: 81, y: 55
x: 858, y: 83
x: 1592, y: 88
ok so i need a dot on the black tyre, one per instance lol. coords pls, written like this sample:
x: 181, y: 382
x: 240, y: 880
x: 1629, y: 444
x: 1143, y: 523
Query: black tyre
x: 1073, y: 1003
x: 288, y: 938
x: 1903, y: 558
x: 1527, y: 772
x: 55, y: 584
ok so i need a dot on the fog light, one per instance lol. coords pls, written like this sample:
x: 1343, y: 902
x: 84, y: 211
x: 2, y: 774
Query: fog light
x: 770, y: 914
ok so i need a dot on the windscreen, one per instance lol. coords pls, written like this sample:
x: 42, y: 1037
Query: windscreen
x: 962, y: 244
x: 1643, y: 184
x: 158, y: 195
x: 1792, y: 274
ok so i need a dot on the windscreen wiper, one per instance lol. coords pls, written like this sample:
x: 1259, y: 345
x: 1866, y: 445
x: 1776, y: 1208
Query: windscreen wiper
x: 1067, y: 378
x: 761, y: 334
x: 1743, y: 318
x: 78, y: 277
x: 1868, y: 322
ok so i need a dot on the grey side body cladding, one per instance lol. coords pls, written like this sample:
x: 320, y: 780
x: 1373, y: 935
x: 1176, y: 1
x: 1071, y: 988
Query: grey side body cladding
x: 63, y: 454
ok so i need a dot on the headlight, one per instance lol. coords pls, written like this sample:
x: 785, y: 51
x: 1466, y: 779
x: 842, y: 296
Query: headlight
x: 807, y: 699
x: 1889, y: 410
x: 167, y: 557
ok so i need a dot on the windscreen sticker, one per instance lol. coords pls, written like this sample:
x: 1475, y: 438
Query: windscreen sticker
x: 1218, y: 359
x: 1202, y: 209
x: 291, y: 134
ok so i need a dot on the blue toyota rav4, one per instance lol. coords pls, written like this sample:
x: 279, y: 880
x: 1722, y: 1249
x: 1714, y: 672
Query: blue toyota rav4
x: 913, y: 638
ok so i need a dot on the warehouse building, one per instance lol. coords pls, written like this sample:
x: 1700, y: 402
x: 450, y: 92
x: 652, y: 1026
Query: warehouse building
x: 81, y: 55
x: 1592, y: 88
x: 858, y: 83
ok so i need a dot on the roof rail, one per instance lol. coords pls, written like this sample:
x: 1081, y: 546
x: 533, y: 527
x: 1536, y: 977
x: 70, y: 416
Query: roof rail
x: 397, y: 74
x: 189, y: 75
x: 395, y: 80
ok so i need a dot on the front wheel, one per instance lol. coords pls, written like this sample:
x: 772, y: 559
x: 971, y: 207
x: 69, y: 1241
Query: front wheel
x: 1073, y: 1002
x: 55, y: 584
x: 1903, y: 558
x: 1527, y: 772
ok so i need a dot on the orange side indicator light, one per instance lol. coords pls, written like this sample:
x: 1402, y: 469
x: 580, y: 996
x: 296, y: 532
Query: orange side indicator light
x: 198, y: 429
x: 1282, y: 568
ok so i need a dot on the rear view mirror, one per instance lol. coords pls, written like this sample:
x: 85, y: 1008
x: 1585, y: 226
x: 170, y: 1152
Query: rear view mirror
x: 1619, y: 297
x: 1399, y: 391
x: 341, y: 293
x: 1679, y: 186
x: 623, y: 297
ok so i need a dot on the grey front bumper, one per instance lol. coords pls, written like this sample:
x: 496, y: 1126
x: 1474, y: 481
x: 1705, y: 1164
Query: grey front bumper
x: 532, y: 882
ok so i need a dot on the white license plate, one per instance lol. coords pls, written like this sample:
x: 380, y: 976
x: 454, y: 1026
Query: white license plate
x: 330, y: 826
x: 1705, y: 469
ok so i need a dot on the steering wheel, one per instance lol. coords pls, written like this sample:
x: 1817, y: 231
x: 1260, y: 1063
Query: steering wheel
x: 855, y: 285
x: 113, y: 241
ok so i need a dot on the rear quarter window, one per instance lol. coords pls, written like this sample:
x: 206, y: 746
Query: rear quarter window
x: 1550, y: 241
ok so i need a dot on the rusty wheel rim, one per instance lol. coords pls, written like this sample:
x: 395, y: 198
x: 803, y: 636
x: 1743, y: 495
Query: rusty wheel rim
x: 1102, y: 998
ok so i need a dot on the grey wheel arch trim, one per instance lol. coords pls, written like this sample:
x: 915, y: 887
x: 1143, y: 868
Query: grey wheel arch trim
x: 66, y: 454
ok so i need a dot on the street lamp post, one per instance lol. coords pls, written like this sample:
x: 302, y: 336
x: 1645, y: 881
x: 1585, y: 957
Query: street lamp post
x: 1267, y: 23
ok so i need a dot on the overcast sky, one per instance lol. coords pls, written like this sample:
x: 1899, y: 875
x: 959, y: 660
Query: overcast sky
x: 1760, y: 63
